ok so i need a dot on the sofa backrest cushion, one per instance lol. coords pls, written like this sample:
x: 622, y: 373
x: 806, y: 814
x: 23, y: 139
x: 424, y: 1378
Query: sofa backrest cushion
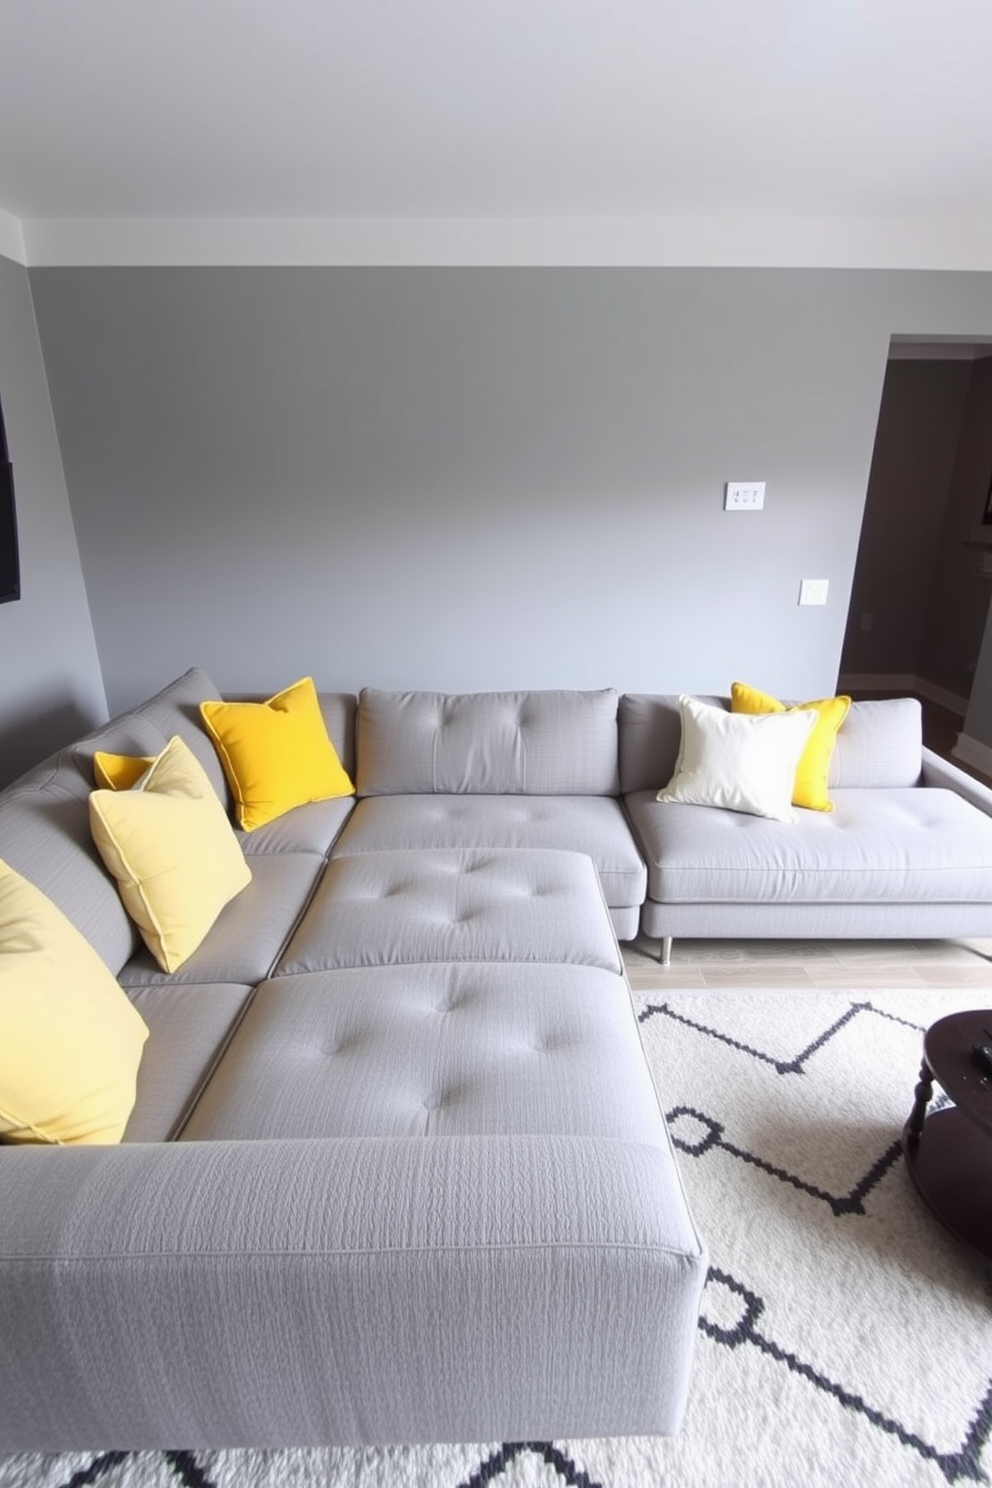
x: 44, y: 815
x: 650, y: 730
x: 176, y: 710
x: 45, y: 835
x: 338, y: 710
x: 880, y: 743
x: 553, y: 743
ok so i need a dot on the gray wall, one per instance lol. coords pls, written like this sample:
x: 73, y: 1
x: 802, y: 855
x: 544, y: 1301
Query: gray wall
x: 473, y: 478
x: 50, y: 682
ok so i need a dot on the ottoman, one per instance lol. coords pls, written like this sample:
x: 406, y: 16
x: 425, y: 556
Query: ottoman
x: 508, y: 1254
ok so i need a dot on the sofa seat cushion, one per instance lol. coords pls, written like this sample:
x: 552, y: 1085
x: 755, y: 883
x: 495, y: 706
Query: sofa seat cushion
x: 900, y: 846
x: 246, y: 939
x: 444, y: 1050
x: 188, y: 1028
x: 377, y: 909
x: 312, y: 828
x: 594, y: 825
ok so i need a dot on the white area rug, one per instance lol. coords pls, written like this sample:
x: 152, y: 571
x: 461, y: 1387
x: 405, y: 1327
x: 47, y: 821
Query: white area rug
x: 846, y: 1339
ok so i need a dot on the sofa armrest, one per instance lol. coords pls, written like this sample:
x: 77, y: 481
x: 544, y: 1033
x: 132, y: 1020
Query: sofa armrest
x: 940, y: 772
x: 276, y: 1293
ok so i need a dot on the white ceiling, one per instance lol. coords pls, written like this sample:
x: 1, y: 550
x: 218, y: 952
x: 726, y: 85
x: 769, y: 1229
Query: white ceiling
x: 834, y: 116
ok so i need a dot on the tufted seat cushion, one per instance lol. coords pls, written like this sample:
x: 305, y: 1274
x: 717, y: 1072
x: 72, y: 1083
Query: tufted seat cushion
x: 189, y: 1024
x: 907, y: 846
x: 594, y: 825
x: 250, y: 932
x: 374, y: 909
x: 427, y: 1051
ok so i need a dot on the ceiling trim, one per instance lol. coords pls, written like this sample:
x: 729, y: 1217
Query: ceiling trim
x: 772, y: 242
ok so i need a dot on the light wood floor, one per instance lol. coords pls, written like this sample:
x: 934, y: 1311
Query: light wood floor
x: 841, y: 964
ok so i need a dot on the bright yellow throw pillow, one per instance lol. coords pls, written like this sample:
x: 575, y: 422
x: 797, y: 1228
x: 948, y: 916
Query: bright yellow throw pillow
x: 70, y: 1041
x: 119, y: 771
x: 172, y: 850
x: 810, y: 789
x: 277, y: 754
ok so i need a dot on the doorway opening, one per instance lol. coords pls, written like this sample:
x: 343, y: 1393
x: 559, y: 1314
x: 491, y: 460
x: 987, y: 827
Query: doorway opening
x: 920, y: 599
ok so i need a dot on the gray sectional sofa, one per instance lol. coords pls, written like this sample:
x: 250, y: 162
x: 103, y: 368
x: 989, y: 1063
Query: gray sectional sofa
x: 397, y: 1170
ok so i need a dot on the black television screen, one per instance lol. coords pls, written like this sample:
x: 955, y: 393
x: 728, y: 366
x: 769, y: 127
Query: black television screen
x: 10, y: 573
x: 10, y: 569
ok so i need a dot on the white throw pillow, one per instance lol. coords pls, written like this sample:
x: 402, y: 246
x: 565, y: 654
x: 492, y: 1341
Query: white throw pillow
x: 740, y: 761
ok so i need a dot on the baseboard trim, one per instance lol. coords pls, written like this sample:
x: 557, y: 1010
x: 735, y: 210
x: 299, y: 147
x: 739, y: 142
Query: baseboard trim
x: 903, y: 682
x: 972, y: 752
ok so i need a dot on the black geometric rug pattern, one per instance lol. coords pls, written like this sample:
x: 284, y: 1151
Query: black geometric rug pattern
x: 185, y: 1471
x: 694, y: 1133
x: 785, y: 1110
x: 711, y: 1132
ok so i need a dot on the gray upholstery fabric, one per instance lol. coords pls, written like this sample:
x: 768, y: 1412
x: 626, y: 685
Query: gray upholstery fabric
x: 344, y: 1291
x: 310, y: 829
x: 626, y: 920
x: 879, y: 743
x: 131, y: 734
x: 426, y: 1051
x: 912, y: 846
x: 377, y: 909
x: 188, y: 1026
x: 45, y: 835
x: 248, y: 936
x: 816, y: 921
x: 595, y: 825
x: 339, y: 710
x: 527, y: 1268
x: 176, y: 710
x: 879, y: 746
x: 947, y: 776
x: 488, y: 743
x: 649, y: 736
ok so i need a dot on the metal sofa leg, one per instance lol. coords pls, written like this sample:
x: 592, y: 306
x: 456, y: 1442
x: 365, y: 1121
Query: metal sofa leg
x: 665, y: 954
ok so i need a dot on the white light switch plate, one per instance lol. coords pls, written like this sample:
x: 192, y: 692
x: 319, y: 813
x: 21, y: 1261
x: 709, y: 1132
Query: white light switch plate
x: 813, y: 591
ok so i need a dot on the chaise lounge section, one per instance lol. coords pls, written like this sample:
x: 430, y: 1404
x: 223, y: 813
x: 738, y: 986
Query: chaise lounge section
x: 905, y: 853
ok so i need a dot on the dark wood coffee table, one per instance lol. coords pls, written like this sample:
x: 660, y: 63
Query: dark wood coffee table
x: 949, y: 1152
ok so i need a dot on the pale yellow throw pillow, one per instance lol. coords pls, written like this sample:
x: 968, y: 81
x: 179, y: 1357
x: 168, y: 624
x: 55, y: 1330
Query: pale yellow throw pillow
x: 70, y: 1041
x: 276, y: 754
x: 172, y: 850
x: 812, y: 772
